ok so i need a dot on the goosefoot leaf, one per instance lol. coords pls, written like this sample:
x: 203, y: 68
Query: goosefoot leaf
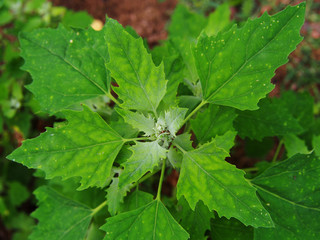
x: 142, y: 85
x: 85, y: 147
x: 67, y: 66
x: 59, y: 217
x: 295, y: 213
x: 240, y: 80
x: 152, y: 221
x: 145, y: 157
x: 206, y: 176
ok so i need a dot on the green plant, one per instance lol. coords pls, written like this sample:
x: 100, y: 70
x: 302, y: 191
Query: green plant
x: 209, y: 86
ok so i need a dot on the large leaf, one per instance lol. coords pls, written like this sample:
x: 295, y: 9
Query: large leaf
x: 214, y: 120
x: 142, y: 85
x: 290, y: 192
x: 145, y: 157
x: 59, y: 217
x: 67, y: 66
x: 260, y: 123
x: 85, y: 147
x: 235, y: 67
x: 152, y: 221
x: 206, y: 176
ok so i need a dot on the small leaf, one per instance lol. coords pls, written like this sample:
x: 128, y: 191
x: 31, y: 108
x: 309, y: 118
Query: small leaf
x: 316, y: 144
x: 206, y: 176
x: 174, y: 118
x: 136, y: 200
x: 138, y: 121
x: 218, y: 20
x: 294, y: 145
x: 213, y: 121
x: 262, y: 45
x: 85, y: 147
x: 142, y: 85
x: 174, y: 157
x: 145, y: 157
x: 152, y: 221
x: 54, y: 57
x: 115, y: 196
x: 59, y: 217
x: 290, y: 192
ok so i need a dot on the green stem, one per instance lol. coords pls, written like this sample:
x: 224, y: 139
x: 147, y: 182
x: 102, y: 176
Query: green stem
x: 114, y: 100
x: 97, y: 209
x: 277, y: 151
x: 203, y: 102
x: 137, y: 139
x: 161, y: 179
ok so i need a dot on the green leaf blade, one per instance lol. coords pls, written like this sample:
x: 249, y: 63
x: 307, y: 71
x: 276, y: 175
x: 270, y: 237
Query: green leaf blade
x: 85, y: 147
x: 59, y: 217
x: 142, y: 85
x: 54, y: 57
x: 240, y: 80
x: 152, y: 221
x: 295, y: 213
x: 206, y: 176
x: 146, y: 156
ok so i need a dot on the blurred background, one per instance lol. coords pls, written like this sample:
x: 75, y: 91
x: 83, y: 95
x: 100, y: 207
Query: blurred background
x: 20, y: 114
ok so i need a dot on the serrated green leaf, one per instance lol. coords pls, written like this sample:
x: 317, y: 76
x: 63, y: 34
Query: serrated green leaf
x: 145, y: 157
x: 196, y: 222
x: 206, y: 176
x: 174, y: 157
x: 59, y: 217
x: 136, y: 200
x: 142, y: 85
x: 183, y: 140
x: 54, y: 57
x: 115, y: 196
x: 173, y: 68
x: 230, y: 229
x: 226, y: 141
x: 152, y: 221
x: 290, y: 192
x: 85, y: 147
x: 262, y: 45
x: 294, y: 145
x: 218, y: 20
x: 260, y: 123
x: 213, y: 121
x: 138, y: 121
x: 174, y: 118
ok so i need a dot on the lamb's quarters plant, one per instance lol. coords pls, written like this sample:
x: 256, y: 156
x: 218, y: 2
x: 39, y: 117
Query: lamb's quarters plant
x: 206, y: 85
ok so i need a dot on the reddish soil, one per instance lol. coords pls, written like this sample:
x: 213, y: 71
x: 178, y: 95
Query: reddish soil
x: 147, y: 17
